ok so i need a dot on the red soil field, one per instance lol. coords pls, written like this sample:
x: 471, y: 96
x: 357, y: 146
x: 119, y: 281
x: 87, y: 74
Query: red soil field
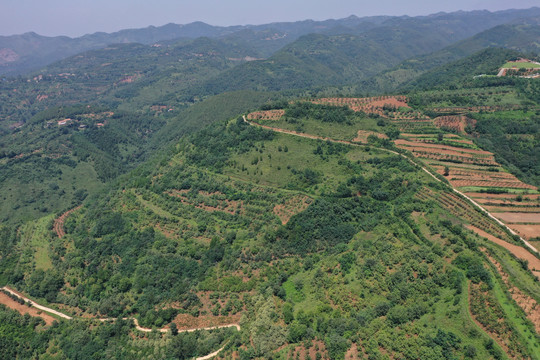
x: 455, y: 122
x: 439, y: 146
x: 224, y: 205
x: 373, y: 105
x: 527, y: 303
x: 515, y: 209
x: 24, y: 309
x: 527, y: 231
x: 518, y: 251
x: 266, y: 115
x: 475, y: 108
x: 512, y: 217
x: 505, y: 201
x: 503, y: 196
x: 500, y: 184
x: 463, y: 166
x: 481, y: 174
x: 426, y: 150
x: 445, y: 158
x: 59, y: 223
x: 461, y: 175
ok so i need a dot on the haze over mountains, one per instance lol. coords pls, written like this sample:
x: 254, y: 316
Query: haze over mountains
x: 30, y: 51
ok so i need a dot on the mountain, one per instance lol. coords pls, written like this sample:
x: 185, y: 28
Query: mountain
x: 150, y: 190
x: 520, y: 35
x: 297, y: 238
x: 168, y: 89
x: 23, y: 53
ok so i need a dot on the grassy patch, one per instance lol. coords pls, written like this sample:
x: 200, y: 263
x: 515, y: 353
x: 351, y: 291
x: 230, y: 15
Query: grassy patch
x: 36, y: 235
x: 326, y: 129
x: 521, y: 65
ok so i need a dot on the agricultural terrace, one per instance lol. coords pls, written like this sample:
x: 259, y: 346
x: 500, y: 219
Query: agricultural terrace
x: 476, y: 172
x: 466, y: 166
x: 266, y: 115
x: 395, y: 107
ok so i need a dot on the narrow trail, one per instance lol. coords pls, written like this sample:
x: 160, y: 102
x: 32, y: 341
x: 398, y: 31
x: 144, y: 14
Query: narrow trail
x: 474, y: 203
x: 59, y: 223
x: 135, y: 321
x: 214, y: 354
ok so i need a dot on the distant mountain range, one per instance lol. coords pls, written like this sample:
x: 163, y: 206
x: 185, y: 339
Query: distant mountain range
x: 27, y: 52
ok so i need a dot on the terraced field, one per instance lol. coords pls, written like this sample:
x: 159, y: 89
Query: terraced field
x: 476, y: 172
x: 466, y: 167
x: 394, y: 107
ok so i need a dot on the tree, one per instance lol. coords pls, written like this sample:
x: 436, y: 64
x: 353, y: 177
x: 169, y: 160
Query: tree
x: 440, y: 137
x: 174, y: 329
x: 446, y: 171
x: 392, y: 133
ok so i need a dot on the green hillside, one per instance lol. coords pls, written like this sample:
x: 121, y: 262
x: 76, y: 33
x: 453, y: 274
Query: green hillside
x: 520, y: 36
x: 182, y: 199
x: 306, y: 243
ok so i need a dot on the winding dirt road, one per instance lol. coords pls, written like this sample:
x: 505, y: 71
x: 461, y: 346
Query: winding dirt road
x: 135, y: 321
x: 36, y: 305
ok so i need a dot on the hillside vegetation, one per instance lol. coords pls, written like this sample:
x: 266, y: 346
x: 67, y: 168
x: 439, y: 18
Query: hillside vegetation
x: 148, y: 191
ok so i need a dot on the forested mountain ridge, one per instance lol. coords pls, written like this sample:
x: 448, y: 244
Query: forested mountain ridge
x: 162, y: 82
x: 520, y: 36
x: 30, y: 51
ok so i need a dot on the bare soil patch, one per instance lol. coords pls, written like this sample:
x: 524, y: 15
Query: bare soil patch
x: 25, y: 309
x: 527, y: 303
x: 266, y: 115
x: 513, y: 217
x: 291, y: 207
x: 527, y: 230
x: 480, y: 300
x: 316, y: 347
x: 354, y: 353
x: 188, y: 322
x: 209, y: 201
x: 454, y: 122
x: 500, y: 184
x: 518, y: 251
x: 362, y: 136
x: 373, y: 105
x: 502, y: 196
x: 511, y: 207
x: 441, y: 146
x: 59, y: 223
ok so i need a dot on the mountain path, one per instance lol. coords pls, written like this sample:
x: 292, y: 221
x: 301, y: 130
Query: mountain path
x: 135, y: 321
x: 474, y: 203
x: 59, y: 222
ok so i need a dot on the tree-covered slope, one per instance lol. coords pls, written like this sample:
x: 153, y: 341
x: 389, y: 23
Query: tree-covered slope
x: 309, y: 244
x: 520, y: 36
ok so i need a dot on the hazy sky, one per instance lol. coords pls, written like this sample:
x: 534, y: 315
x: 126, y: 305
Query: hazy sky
x: 79, y: 17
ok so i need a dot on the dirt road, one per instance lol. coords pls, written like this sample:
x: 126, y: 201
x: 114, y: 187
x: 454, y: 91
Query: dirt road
x: 48, y: 319
x: 36, y: 305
